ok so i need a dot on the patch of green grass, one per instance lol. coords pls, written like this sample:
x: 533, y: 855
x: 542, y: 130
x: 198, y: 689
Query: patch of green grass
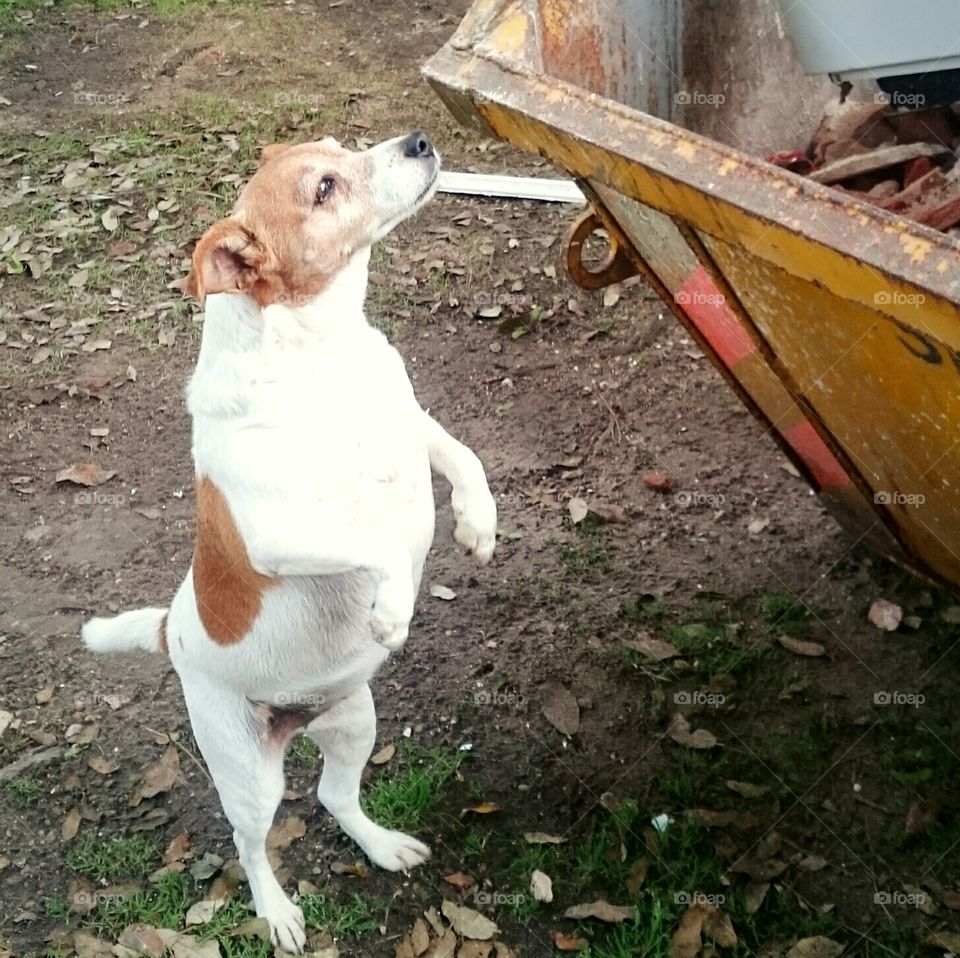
x: 163, y: 905
x: 304, y: 752
x: 166, y: 902
x: 587, y: 553
x: 475, y: 844
x: 786, y: 614
x: 401, y: 797
x: 643, y: 609
x: 9, y: 9
x: 23, y: 791
x: 358, y: 916
x: 112, y: 859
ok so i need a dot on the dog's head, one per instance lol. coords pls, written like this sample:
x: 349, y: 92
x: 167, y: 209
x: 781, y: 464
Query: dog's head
x: 305, y: 213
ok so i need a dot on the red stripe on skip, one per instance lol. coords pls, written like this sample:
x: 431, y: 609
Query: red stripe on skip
x: 826, y: 469
x: 706, y: 306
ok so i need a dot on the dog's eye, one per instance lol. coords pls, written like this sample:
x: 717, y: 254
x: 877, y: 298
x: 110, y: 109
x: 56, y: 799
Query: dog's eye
x: 325, y: 189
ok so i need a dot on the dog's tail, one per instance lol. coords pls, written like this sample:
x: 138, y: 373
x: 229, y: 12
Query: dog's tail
x: 143, y: 629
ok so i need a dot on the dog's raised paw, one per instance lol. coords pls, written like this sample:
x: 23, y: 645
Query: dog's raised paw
x: 396, y: 852
x: 286, y: 925
x: 476, y: 528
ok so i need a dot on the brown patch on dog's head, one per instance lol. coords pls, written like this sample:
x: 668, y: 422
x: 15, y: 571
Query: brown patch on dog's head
x: 272, y: 150
x: 229, y: 590
x: 304, y: 214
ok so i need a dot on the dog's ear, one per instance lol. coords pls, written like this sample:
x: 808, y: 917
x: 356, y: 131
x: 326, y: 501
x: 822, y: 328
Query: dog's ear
x: 272, y: 150
x: 227, y: 259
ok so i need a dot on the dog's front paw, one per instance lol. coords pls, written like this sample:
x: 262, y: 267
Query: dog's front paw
x: 286, y: 924
x: 476, y: 528
x: 392, y: 612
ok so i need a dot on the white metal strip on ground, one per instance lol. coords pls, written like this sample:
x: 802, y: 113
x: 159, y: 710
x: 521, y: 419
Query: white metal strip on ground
x: 511, y: 187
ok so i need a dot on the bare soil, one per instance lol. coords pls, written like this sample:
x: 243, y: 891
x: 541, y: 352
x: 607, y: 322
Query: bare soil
x: 581, y: 405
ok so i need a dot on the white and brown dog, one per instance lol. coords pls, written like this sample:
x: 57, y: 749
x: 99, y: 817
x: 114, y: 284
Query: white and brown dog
x: 315, y: 508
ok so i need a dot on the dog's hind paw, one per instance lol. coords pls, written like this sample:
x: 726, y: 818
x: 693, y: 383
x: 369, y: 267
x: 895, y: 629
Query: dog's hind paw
x: 286, y: 925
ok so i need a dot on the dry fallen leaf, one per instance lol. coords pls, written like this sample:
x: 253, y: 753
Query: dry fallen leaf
x: 679, y: 731
x: 85, y: 474
x: 541, y: 887
x: 602, y: 910
x: 202, y: 911
x: 44, y: 695
x: 87, y: 945
x: 442, y: 592
x: 475, y: 949
x: 468, y: 923
x: 578, y: 510
x: 420, y: 937
x: 921, y: 816
x: 283, y: 833
x: 885, y: 615
x: 178, y: 850
x: 71, y: 824
x: 748, y: 789
x: 484, y: 808
x: 560, y: 708
x: 103, y: 765
x: 655, y: 649
x: 565, y: 942
x: 384, y: 755
x: 812, y: 650
x: 158, y: 777
x: 354, y: 869
x: 542, y: 838
x: 816, y: 947
x: 947, y: 940
x: 638, y: 875
x: 753, y: 896
x: 143, y: 940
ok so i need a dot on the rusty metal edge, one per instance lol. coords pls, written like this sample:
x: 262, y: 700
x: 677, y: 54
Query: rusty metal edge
x: 549, y: 103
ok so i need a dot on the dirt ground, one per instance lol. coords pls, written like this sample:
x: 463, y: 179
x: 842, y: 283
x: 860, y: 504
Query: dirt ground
x: 829, y: 798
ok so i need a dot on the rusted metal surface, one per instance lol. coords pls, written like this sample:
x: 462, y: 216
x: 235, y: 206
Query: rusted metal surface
x: 617, y: 266
x: 836, y: 323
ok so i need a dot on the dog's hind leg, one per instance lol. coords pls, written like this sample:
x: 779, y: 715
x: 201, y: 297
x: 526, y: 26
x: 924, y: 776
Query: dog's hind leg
x: 345, y: 734
x: 247, y: 769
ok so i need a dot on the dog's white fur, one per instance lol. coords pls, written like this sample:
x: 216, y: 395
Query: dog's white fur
x: 306, y: 423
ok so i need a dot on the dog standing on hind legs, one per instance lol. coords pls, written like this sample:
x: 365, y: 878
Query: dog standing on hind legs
x: 314, y: 497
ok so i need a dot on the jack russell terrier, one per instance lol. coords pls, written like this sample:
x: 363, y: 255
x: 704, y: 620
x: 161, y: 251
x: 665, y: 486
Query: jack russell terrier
x: 315, y: 506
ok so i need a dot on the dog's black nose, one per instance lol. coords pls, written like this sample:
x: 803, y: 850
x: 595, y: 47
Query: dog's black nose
x: 417, y: 146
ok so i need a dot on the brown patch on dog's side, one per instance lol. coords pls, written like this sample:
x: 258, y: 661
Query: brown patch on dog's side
x: 229, y: 590
x: 162, y: 636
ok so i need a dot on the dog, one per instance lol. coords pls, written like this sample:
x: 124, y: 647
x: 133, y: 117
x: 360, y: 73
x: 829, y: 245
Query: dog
x: 314, y: 498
